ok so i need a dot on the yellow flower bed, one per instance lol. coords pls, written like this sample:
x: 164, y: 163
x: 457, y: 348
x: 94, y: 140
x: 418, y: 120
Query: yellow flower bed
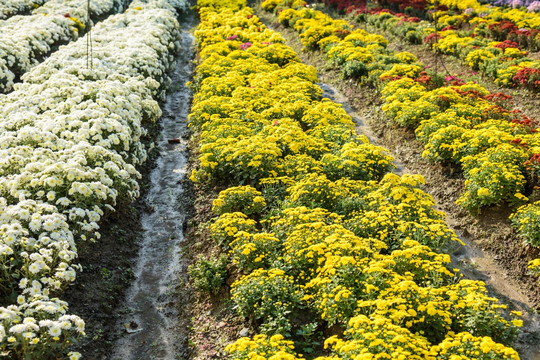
x: 472, y: 41
x: 343, y: 240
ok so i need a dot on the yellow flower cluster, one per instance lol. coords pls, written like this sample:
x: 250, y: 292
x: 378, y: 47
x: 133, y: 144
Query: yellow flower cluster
x: 534, y: 266
x: 482, y: 54
x: 342, y: 238
x: 253, y: 124
x: 458, y: 4
x: 362, y: 55
x: 228, y: 225
x: 373, y: 338
x: 500, y: 60
x: 244, y: 199
x: 527, y: 221
x: 465, y: 129
x: 519, y: 16
x: 464, y: 346
x: 263, y: 347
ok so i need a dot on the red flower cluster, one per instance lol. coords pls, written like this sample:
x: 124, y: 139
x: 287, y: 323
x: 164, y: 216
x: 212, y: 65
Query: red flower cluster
x: 432, y: 38
x: 528, y: 78
x: 345, y: 4
x: 507, y: 44
x: 508, y: 31
x: 535, y: 159
x: 527, y: 122
x: 533, y: 164
x: 519, y: 142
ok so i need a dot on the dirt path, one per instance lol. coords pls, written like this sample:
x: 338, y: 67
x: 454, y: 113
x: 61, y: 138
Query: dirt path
x: 155, y: 327
x: 481, y: 236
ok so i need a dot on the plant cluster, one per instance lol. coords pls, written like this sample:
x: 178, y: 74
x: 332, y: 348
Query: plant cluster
x: 70, y: 140
x: 464, y: 128
x: 480, y: 43
x: 26, y: 40
x: 9, y: 8
x: 526, y: 220
x: 344, y: 247
x: 460, y: 124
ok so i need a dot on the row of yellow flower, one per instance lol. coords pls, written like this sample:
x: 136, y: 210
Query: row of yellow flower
x: 342, y: 239
x: 456, y: 123
x: 502, y: 60
x: 521, y: 18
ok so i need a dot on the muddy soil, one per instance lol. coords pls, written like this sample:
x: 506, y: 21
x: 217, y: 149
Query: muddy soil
x: 492, y: 252
x: 214, y: 321
x: 132, y: 291
x: 157, y: 320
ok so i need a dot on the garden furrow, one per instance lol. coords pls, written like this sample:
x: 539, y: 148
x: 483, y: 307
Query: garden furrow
x: 156, y: 328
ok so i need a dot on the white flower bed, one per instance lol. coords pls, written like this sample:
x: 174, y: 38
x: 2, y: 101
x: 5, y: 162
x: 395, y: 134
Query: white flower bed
x: 25, y: 40
x: 69, y: 140
x: 77, y: 8
x: 13, y: 7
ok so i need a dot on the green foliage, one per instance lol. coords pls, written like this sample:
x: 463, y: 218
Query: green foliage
x: 208, y: 275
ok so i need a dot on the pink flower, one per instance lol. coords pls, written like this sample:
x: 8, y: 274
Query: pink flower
x: 246, y: 45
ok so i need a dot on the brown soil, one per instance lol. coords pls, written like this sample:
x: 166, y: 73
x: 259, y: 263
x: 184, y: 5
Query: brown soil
x: 493, y: 253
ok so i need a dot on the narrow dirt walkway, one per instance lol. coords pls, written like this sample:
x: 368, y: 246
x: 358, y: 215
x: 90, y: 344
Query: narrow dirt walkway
x: 155, y: 327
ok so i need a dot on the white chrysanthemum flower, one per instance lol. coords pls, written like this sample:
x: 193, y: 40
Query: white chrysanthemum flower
x: 28, y: 335
x: 51, y: 195
x: 55, y: 330
x: 2, y: 333
x: 34, y: 268
x: 17, y: 329
x: 74, y: 356
x: 23, y: 283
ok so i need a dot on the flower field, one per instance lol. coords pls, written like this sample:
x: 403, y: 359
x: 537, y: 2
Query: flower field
x: 307, y: 234
x: 70, y: 141
x: 9, y: 8
x: 26, y: 39
x: 488, y: 39
x: 458, y: 123
x: 315, y: 221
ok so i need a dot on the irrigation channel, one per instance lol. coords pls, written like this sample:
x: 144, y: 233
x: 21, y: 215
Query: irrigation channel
x: 153, y: 329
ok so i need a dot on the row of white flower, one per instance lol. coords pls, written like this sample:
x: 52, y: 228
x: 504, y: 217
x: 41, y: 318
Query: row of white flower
x: 78, y: 8
x: 25, y: 40
x: 70, y: 138
x: 13, y: 7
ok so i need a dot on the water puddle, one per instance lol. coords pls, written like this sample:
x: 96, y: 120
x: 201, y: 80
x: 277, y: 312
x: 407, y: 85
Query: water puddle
x: 471, y: 260
x: 153, y: 328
